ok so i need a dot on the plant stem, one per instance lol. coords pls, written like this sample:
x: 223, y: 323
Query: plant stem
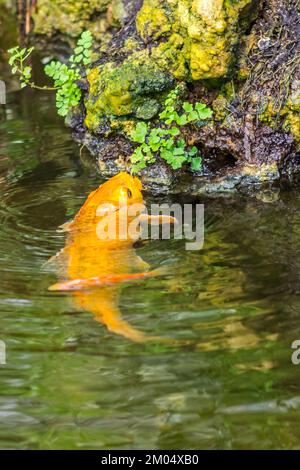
x: 32, y: 84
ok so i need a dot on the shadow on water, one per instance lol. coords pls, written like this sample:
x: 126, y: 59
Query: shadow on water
x: 69, y: 383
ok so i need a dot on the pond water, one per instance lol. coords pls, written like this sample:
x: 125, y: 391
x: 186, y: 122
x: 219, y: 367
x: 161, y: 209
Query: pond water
x: 70, y: 383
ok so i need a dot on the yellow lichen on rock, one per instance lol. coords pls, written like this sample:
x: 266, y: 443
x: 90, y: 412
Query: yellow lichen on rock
x: 209, y: 10
x: 285, y: 113
x: 291, y: 112
x: 209, y: 31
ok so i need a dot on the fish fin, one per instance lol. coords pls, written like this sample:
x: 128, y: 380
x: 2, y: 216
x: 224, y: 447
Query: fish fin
x: 76, y: 284
x: 161, y: 271
x: 66, y: 227
x: 158, y: 219
x: 58, y: 258
x: 109, y: 279
x: 141, y: 264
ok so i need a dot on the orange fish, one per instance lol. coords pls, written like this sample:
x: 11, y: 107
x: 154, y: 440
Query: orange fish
x: 99, y: 251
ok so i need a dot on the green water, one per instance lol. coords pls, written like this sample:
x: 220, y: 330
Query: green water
x: 234, y: 306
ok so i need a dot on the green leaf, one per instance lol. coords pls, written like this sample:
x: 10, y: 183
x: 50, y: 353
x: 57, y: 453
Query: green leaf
x: 163, y: 114
x: 12, y: 50
x: 169, y: 143
x: 138, y: 167
x: 86, y: 35
x: 178, y: 151
x: 78, y: 49
x: 178, y: 162
x: 181, y: 120
x: 193, y: 151
x: 192, y: 116
x: 200, y: 106
x: 205, y: 113
x: 196, y: 163
x: 27, y: 72
x: 154, y: 137
x: 140, y: 132
x: 181, y: 143
x: 78, y: 58
x: 166, y: 154
x: 188, y: 107
x: 62, y: 111
x: 174, y: 131
x: 137, y: 155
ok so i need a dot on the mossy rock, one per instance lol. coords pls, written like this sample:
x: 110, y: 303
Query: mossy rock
x: 291, y: 111
x: 191, y: 40
x: 200, y: 35
x: 288, y: 114
x: 74, y: 16
x: 129, y: 89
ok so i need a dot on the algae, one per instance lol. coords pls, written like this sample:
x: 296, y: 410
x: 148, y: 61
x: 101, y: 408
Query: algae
x: 192, y: 40
x: 72, y: 17
x: 201, y: 34
x: 129, y: 89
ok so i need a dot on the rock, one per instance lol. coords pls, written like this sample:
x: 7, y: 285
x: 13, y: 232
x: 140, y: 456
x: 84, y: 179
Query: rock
x: 74, y: 16
x: 226, y: 58
x: 200, y: 36
x: 132, y: 88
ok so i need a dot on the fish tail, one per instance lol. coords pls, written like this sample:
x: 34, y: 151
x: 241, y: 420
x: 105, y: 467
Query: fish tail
x: 161, y: 271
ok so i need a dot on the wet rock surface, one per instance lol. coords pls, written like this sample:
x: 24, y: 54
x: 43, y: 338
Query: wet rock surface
x: 253, y: 139
x: 70, y: 18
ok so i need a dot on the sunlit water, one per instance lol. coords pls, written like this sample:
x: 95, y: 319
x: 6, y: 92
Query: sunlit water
x: 234, y: 306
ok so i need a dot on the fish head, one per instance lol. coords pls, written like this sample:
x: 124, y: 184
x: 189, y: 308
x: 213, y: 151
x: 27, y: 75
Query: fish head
x: 119, y: 191
x: 121, y: 200
x: 123, y: 190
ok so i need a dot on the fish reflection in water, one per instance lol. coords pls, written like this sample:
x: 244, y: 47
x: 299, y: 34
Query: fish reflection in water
x: 95, y: 265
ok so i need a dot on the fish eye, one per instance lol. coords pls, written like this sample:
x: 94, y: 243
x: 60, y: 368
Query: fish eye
x: 129, y: 193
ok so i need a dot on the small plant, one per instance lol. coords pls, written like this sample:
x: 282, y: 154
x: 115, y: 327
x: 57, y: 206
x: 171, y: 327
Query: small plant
x: 166, y: 140
x: 65, y: 76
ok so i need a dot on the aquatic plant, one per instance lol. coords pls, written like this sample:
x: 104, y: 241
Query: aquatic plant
x: 166, y: 140
x: 65, y: 76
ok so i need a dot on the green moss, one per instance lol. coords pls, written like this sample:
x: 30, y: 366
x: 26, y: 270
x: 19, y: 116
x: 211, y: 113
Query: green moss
x: 262, y: 173
x: 289, y: 113
x: 131, y: 45
x: 195, y: 39
x: 132, y: 88
x: 173, y: 55
x: 202, y: 34
x: 74, y: 16
x: 154, y: 19
x: 219, y: 106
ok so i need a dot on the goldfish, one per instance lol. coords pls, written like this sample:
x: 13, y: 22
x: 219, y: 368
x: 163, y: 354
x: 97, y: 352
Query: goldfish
x: 97, y: 263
